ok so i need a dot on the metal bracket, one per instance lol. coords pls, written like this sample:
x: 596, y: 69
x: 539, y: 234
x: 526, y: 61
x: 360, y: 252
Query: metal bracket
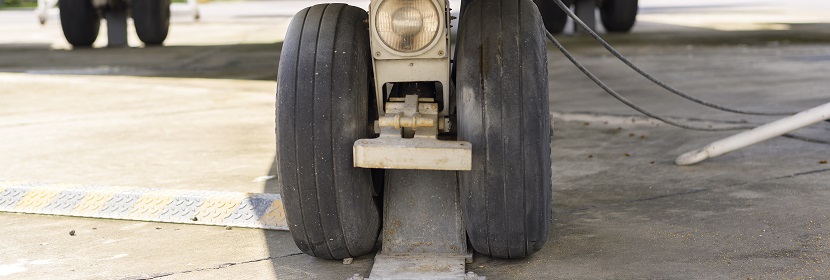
x: 408, y: 139
x: 413, y: 114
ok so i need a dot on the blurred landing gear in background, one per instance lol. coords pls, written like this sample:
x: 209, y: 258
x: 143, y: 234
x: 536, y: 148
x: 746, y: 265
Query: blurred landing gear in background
x: 554, y: 18
x: 617, y: 16
x: 152, y: 20
x: 81, y: 20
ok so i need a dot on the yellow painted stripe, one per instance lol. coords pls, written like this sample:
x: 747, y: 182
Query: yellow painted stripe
x: 218, y: 208
x: 93, y: 202
x: 275, y: 215
x: 37, y: 199
x: 151, y: 204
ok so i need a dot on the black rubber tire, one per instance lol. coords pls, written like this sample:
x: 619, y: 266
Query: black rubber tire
x: 80, y: 22
x: 618, y: 16
x: 151, y: 19
x: 503, y: 111
x: 553, y: 16
x: 322, y: 109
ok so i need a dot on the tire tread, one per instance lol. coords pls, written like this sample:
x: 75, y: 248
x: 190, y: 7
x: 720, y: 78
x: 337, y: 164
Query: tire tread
x: 152, y: 20
x: 506, y: 197
x: 79, y: 21
x: 619, y: 16
x: 323, y: 83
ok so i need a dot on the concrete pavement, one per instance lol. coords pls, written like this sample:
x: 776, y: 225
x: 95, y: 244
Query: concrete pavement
x: 198, y: 114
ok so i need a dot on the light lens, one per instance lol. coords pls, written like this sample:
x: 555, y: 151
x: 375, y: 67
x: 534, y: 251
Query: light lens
x: 407, y: 25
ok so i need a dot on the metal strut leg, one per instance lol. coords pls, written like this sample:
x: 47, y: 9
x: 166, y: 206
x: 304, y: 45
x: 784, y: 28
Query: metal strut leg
x: 586, y: 11
x: 423, y: 234
x: 116, y: 28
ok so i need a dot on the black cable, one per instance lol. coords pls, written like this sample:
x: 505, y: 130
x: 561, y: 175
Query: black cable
x: 652, y: 78
x: 805, y: 139
x: 622, y: 99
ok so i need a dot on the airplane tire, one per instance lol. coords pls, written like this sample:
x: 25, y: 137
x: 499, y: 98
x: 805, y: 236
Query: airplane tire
x: 80, y: 22
x: 503, y: 110
x: 151, y: 19
x: 553, y: 16
x: 322, y: 109
x: 618, y: 16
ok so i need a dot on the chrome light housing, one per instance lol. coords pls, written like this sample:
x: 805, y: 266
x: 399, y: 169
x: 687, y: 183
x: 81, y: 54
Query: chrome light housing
x: 408, y: 27
x: 410, y: 43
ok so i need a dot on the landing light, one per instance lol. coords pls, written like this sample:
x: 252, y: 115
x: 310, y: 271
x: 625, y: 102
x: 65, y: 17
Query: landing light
x: 407, y: 26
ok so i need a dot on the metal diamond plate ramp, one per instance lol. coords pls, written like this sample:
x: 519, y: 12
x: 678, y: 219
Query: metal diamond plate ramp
x: 252, y: 210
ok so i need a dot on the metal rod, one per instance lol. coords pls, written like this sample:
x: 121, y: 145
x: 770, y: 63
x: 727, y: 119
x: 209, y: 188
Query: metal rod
x: 762, y: 133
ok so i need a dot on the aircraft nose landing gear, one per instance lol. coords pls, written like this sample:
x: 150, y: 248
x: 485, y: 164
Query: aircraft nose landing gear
x: 463, y: 165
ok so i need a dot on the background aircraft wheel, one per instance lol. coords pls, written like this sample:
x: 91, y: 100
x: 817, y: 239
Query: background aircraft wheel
x: 152, y: 20
x: 322, y: 109
x: 502, y: 92
x: 618, y: 15
x: 552, y: 15
x: 80, y: 22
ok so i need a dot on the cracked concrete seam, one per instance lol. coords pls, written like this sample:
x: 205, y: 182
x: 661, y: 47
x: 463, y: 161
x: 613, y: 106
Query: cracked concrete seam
x: 652, y: 198
x: 224, y: 265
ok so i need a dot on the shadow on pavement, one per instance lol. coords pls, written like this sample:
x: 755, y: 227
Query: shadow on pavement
x: 245, y: 61
x: 791, y: 34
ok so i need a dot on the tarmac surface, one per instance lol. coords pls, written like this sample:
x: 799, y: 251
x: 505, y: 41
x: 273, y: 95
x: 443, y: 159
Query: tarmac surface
x: 199, y: 114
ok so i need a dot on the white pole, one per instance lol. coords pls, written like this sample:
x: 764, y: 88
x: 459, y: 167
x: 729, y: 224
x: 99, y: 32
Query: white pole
x: 42, y: 11
x: 194, y: 8
x: 756, y: 135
